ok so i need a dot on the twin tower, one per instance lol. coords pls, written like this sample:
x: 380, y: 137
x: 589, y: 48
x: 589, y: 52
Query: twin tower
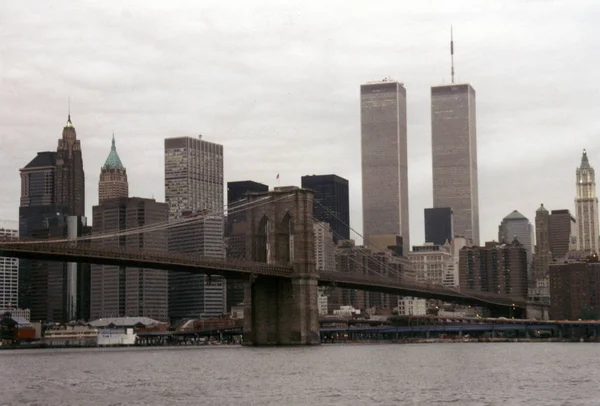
x: 385, y: 160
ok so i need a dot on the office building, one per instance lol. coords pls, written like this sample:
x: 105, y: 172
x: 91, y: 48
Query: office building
x: 439, y: 225
x: 193, y: 176
x: 454, y: 156
x: 113, y: 177
x: 69, y: 177
x: 575, y: 289
x: 586, y: 207
x: 52, y: 191
x: 197, y: 296
x: 324, y: 247
x: 117, y: 291
x: 516, y: 225
x: 194, y: 186
x: 497, y: 268
x: 538, y: 282
x: 384, y: 161
x: 331, y: 202
x: 562, y: 233
x: 430, y: 262
x: 9, y: 269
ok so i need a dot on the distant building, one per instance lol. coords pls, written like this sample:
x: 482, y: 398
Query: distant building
x: 9, y: 269
x: 332, y: 202
x: 324, y: 247
x: 497, y: 268
x: 538, y: 285
x: 113, y: 177
x: 193, y: 176
x: 562, y: 230
x: 384, y: 161
x: 452, y: 276
x: 430, y: 262
x: 133, y: 292
x: 575, y: 289
x: 586, y: 204
x: 439, y: 225
x: 516, y: 225
x: 454, y: 156
x: 412, y: 306
x: 236, y: 193
x: 194, y: 184
x: 52, y: 192
x: 197, y: 296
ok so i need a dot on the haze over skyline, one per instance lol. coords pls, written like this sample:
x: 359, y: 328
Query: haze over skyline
x: 278, y: 85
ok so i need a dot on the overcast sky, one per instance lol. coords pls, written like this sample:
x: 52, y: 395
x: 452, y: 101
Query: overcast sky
x: 277, y: 83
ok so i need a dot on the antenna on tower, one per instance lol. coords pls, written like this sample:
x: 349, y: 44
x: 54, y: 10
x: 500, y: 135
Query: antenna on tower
x: 451, y: 54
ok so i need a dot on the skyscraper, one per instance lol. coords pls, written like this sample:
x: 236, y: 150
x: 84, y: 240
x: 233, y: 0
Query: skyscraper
x: 516, y: 225
x: 562, y: 230
x: 194, y: 187
x: 52, y: 192
x: 543, y: 255
x: 9, y: 269
x: 117, y: 291
x: 332, y: 202
x: 70, y: 179
x: 193, y: 176
x: 439, y: 225
x: 384, y: 161
x: 586, y: 204
x: 454, y: 160
x: 113, y: 177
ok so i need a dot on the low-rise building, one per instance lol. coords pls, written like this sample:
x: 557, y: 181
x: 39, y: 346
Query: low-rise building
x: 411, y: 306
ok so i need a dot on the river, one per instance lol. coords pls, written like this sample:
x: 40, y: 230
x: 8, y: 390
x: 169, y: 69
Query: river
x: 362, y: 374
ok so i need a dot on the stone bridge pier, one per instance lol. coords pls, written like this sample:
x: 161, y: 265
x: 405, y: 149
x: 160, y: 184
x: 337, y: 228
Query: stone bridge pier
x: 282, y: 311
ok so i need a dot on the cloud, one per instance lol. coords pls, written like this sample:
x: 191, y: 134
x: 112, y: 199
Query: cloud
x: 278, y: 84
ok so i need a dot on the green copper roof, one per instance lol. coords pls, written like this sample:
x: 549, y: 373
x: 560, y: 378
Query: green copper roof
x: 69, y: 123
x: 515, y: 215
x: 542, y: 208
x: 113, y: 161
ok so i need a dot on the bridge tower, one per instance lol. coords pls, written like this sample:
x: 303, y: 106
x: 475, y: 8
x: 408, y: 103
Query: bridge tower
x: 282, y: 311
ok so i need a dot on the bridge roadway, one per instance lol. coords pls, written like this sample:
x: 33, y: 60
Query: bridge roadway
x: 241, y: 269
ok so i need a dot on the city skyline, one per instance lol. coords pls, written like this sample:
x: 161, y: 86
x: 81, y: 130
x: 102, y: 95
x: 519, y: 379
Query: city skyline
x: 290, y: 135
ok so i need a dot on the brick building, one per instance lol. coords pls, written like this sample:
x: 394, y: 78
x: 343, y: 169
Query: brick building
x: 575, y: 291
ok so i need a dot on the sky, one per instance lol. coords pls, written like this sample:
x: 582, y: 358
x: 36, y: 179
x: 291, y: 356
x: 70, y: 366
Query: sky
x: 277, y: 83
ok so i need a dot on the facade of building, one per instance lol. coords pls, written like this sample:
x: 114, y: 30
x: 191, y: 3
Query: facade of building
x: 191, y: 295
x: 538, y: 282
x: 516, y: 225
x: 562, y: 232
x: 498, y: 268
x: 575, y: 289
x: 69, y: 178
x: 454, y: 156
x: 129, y: 292
x: 586, y: 207
x: 235, y: 235
x: 194, y: 185
x: 52, y: 192
x: 331, y: 202
x: 430, y: 262
x: 324, y: 247
x: 384, y: 161
x: 439, y: 225
x: 411, y: 306
x: 113, y: 177
x: 193, y: 176
x: 9, y: 269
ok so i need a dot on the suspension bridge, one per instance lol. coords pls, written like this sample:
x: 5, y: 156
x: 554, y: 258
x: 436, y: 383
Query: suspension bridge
x: 279, y: 268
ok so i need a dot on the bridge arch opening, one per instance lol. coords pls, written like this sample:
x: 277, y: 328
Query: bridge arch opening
x: 260, y: 253
x: 285, y: 240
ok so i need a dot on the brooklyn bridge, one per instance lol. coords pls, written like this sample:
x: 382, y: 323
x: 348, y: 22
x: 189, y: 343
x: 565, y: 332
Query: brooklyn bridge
x: 279, y: 271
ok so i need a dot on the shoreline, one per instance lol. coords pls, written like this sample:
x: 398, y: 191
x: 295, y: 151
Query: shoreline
x: 42, y: 346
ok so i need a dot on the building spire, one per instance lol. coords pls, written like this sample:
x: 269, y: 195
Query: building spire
x: 451, y: 54
x: 585, y: 163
